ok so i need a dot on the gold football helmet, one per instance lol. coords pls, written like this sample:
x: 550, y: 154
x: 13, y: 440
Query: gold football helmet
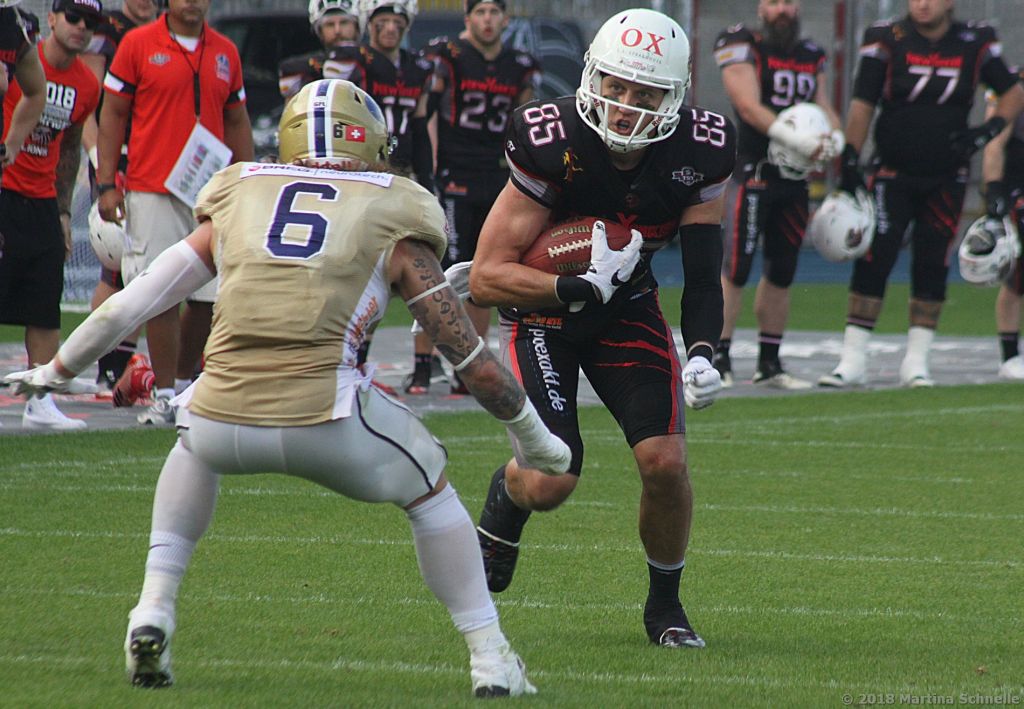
x: 333, y: 121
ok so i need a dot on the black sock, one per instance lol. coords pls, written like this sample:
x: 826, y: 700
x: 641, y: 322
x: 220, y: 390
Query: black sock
x: 363, y: 353
x: 664, y: 588
x: 723, y: 346
x: 501, y: 516
x: 113, y: 363
x: 422, y: 364
x: 768, y: 352
x: 1008, y: 343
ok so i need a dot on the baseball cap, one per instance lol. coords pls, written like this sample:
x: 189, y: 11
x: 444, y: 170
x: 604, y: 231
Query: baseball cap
x: 85, y: 7
x: 470, y: 4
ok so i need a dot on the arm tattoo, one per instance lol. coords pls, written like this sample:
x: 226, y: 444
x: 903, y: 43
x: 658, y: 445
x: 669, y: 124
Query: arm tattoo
x: 67, y: 167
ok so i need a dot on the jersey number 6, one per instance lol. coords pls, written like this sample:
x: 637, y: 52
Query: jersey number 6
x: 284, y: 214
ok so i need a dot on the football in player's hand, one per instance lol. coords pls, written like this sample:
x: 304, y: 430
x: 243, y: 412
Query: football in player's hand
x: 563, y: 248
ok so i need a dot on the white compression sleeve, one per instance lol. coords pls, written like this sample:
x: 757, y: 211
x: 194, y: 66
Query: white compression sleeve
x: 172, y: 277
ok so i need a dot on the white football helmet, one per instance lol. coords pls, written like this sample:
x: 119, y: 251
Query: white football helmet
x: 646, y: 47
x: 805, y: 118
x: 989, y: 251
x: 107, y: 238
x: 319, y: 8
x: 409, y: 8
x: 843, y: 226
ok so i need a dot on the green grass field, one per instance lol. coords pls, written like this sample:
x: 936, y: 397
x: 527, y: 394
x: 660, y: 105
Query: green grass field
x: 969, y: 311
x: 856, y: 544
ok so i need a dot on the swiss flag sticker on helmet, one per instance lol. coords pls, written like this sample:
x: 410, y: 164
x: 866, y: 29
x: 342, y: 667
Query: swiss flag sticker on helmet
x: 355, y: 134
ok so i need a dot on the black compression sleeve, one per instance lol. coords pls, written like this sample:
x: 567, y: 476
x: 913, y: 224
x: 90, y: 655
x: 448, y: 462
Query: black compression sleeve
x: 422, y: 154
x: 573, y: 289
x: 702, y: 302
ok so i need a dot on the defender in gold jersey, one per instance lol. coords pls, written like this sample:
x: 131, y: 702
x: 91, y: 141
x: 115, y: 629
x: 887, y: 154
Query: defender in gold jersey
x: 308, y: 255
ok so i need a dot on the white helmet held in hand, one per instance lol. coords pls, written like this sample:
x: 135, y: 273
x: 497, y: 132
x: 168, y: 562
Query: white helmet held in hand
x: 107, y: 238
x: 843, y: 226
x: 645, y: 47
x: 805, y: 119
x: 989, y: 250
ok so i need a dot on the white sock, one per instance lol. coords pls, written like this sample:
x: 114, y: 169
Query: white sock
x: 166, y: 563
x: 485, y: 639
x: 855, y: 349
x: 165, y: 393
x: 919, y: 345
x: 181, y: 385
x: 449, y: 559
x: 186, y: 494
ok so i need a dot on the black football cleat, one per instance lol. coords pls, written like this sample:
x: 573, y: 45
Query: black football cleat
x: 669, y: 627
x: 500, y: 559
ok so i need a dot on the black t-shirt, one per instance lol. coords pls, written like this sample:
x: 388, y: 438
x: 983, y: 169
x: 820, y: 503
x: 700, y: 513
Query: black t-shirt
x: 476, y: 103
x: 396, y: 88
x: 562, y: 163
x: 786, y: 78
x: 925, y: 89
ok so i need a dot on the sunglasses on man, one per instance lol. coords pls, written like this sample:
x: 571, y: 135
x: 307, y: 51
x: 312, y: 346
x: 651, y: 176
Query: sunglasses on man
x: 73, y: 18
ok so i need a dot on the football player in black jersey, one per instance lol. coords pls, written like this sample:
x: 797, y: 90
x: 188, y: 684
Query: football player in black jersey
x: 626, y: 150
x: 399, y: 81
x: 334, y: 22
x: 921, y: 73
x: 1003, y: 176
x: 16, y: 39
x: 97, y: 57
x: 764, y: 72
x: 477, y: 82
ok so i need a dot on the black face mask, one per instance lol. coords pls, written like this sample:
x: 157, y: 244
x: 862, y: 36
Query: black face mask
x: 781, y: 34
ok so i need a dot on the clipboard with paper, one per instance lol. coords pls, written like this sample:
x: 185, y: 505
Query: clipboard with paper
x: 203, y: 155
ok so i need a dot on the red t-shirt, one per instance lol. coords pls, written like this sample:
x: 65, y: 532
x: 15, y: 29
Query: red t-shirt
x: 154, y: 72
x: 71, y: 95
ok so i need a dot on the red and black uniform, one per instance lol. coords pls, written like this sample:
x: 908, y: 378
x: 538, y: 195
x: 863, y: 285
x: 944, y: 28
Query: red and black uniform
x: 473, y: 110
x: 32, y: 260
x: 625, y: 347
x: 925, y: 91
x: 761, y: 201
x: 398, y: 90
x: 1013, y: 176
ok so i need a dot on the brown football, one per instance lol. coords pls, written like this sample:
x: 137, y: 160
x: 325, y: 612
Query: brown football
x: 564, y: 248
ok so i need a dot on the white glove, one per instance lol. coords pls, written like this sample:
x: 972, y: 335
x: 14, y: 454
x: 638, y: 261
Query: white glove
x: 809, y: 145
x: 457, y: 276
x: 535, y: 446
x: 610, y: 269
x: 701, y: 382
x: 45, y: 379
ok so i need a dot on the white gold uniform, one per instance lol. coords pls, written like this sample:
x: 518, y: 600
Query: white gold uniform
x: 302, y: 256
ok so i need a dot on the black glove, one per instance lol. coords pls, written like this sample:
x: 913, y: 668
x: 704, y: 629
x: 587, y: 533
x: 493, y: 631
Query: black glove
x: 965, y: 143
x: 997, y: 202
x: 851, y: 178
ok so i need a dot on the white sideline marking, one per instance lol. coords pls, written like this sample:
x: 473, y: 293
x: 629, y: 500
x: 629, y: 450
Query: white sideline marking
x: 525, y: 603
x: 578, y: 548
x: 381, y: 666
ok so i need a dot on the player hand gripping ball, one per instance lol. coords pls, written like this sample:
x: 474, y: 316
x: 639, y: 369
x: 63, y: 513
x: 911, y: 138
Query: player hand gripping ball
x: 701, y: 383
x: 610, y: 269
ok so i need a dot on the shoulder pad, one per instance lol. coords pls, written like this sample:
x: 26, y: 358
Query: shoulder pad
x: 734, y: 35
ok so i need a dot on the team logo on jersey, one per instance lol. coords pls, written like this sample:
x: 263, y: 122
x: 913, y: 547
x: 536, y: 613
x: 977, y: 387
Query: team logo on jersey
x: 159, y: 59
x: 688, y: 176
x: 569, y: 162
x: 223, y: 68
